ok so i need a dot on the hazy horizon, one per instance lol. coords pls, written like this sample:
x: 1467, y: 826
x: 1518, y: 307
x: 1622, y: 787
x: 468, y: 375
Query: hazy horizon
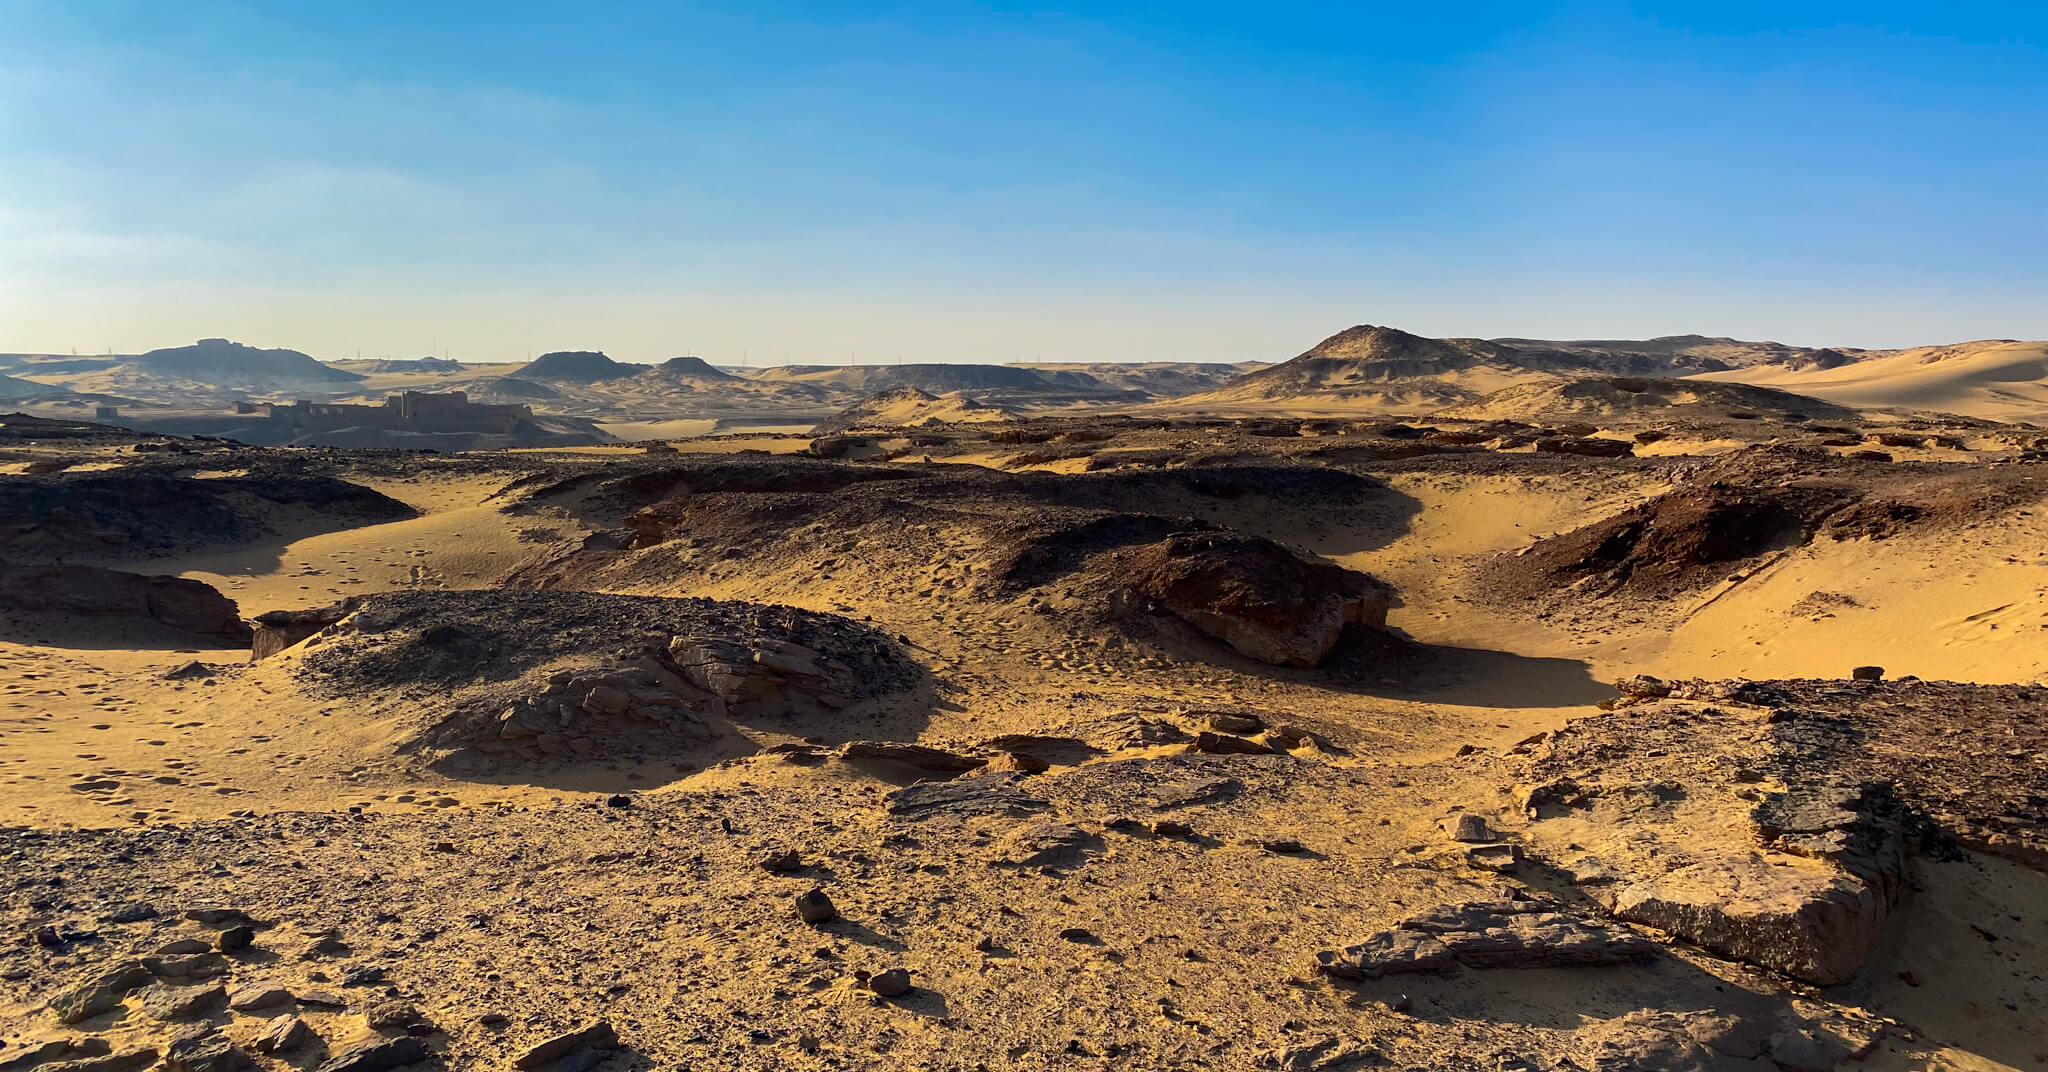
x: 791, y: 185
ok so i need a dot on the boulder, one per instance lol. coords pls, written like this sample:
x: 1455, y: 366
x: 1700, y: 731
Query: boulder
x: 1815, y: 927
x: 815, y: 907
x: 1657, y: 813
x: 377, y: 1055
x: 893, y: 983
x: 102, y: 992
x: 163, y: 1002
x: 1267, y: 601
x: 598, y: 1037
x: 205, y: 1049
x: 284, y: 1034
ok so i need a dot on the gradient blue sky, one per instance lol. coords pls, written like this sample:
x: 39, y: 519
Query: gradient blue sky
x: 963, y: 182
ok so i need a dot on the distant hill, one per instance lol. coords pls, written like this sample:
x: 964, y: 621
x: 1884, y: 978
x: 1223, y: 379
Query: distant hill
x: 1669, y: 355
x: 687, y: 368
x: 1160, y: 379
x: 908, y: 406
x: 220, y: 363
x: 16, y: 387
x: 498, y: 389
x: 1372, y: 368
x: 1380, y: 369
x: 578, y: 366
x: 418, y: 364
x: 935, y: 378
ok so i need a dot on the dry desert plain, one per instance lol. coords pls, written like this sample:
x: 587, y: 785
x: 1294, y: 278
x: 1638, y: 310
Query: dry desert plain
x: 1413, y: 704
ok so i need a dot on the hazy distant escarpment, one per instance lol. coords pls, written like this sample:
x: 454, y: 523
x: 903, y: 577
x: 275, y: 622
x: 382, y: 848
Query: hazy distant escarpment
x: 225, y: 363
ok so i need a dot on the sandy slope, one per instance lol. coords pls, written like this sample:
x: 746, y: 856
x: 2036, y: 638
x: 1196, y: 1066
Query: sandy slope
x: 1999, y: 379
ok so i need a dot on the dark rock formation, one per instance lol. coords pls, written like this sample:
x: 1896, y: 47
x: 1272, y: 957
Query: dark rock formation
x: 1487, y: 934
x: 1267, y: 601
x: 277, y: 630
x: 187, y: 605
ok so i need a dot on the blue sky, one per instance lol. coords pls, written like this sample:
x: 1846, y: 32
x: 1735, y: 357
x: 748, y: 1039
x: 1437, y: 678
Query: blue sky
x: 1000, y: 182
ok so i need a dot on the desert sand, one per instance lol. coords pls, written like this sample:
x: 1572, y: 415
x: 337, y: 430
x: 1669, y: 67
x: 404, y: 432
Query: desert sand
x: 1523, y: 730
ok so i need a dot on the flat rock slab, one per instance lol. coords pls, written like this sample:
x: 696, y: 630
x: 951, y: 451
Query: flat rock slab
x: 1487, y: 934
x: 987, y: 794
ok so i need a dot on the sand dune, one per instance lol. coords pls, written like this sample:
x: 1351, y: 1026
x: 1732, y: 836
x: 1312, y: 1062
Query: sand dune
x: 1997, y: 379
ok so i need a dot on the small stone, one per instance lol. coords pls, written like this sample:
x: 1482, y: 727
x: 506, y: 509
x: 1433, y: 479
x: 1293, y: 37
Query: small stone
x: 326, y: 945
x: 1500, y: 859
x: 322, y: 999
x: 366, y: 975
x: 284, y: 1034
x: 1170, y: 828
x: 493, y: 1019
x: 181, y: 1002
x: 1283, y: 846
x: 815, y: 907
x: 618, y: 800
x: 893, y: 983
x: 258, y: 996
x: 207, y: 965
x: 1223, y: 722
x: 1079, y: 934
x: 782, y: 862
x: 184, y: 947
x: 133, y: 912
x: 235, y: 939
x: 392, y: 1016
x: 216, y: 916
x: 205, y: 1049
x: 1867, y: 673
x: 48, y: 938
x: 1470, y: 827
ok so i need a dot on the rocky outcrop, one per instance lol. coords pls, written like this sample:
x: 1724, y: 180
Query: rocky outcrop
x: 769, y: 678
x: 583, y: 712
x: 183, y: 604
x: 929, y: 760
x: 149, y: 510
x: 1268, y: 601
x: 1702, y: 823
x: 1487, y: 934
x: 277, y: 630
x: 1586, y: 446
